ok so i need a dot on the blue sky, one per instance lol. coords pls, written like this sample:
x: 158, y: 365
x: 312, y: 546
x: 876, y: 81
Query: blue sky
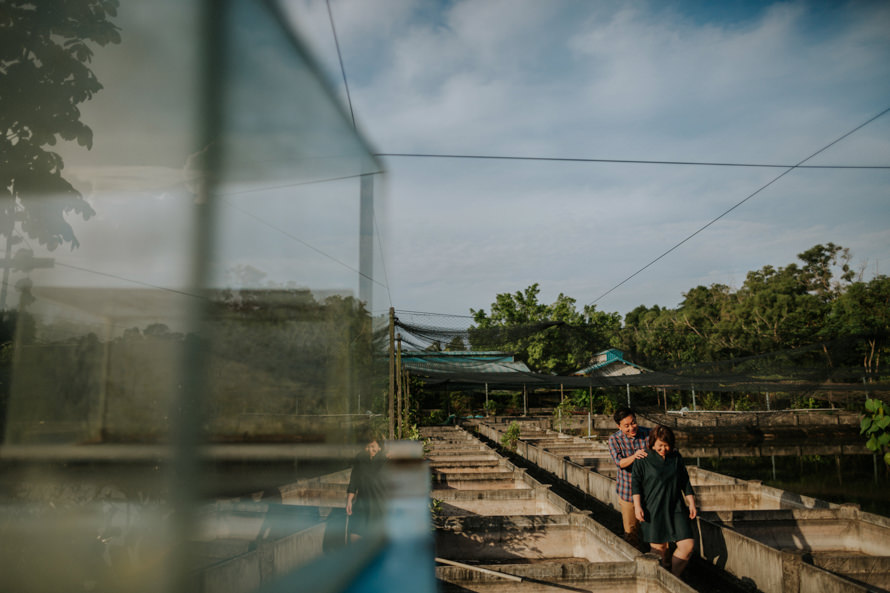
x: 693, y: 81
x: 742, y: 82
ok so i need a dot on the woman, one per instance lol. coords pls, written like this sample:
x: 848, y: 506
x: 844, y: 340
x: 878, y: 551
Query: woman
x: 365, y: 500
x: 659, y: 485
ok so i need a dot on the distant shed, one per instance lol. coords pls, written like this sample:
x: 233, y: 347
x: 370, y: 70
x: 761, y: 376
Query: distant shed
x: 610, y: 363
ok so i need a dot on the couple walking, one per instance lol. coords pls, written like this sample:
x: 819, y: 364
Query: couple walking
x: 657, y: 499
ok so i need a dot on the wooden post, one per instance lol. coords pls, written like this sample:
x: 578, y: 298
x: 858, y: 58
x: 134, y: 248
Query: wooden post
x: 524, y: 400
x: 407, y: 393
x: 392, y: 372
x: 486, y: 399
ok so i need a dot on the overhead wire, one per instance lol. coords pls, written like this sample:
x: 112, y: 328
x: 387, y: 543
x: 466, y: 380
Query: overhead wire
x: 799, y: 165
x: 340, y: 58
x: 620, y: 161
x: 354, y: 127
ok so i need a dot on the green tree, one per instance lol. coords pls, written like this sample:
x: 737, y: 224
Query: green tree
x: 456, y: 345
x: 863, y: 312
x: 775, y: 309
x: 553, y: 339
x: 44, y: 56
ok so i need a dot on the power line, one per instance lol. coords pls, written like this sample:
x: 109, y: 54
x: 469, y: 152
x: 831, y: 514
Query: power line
x: 751, y: 195
x: 298, y: 183
x: 301, y: 241
x: 620, y: 161
x: 340, y: 58
x: 352, y: 115
x: 139, y: 282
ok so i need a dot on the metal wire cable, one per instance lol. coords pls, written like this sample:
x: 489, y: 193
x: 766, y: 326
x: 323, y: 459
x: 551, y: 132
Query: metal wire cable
x: 751, y: 195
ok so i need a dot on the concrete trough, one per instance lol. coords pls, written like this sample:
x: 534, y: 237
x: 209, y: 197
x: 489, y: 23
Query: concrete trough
x: 500, y: 480
x: 840, y: 530
x: 777, y: 541
x: 519, y: 539
x: 799, y: 550
x: 528, y: 501
x: 640, y: 576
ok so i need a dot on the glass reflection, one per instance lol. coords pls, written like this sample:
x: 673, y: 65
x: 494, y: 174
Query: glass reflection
x: 128, y: 461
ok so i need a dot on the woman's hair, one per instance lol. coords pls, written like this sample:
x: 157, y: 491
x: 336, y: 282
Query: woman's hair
x: 662, y: 433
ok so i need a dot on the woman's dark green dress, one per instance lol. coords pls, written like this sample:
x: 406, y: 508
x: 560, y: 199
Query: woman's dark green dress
x: 662, y: 484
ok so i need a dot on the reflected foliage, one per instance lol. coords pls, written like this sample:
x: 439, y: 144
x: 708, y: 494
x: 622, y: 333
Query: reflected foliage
x: 45, y: 50
x: 280, y: 367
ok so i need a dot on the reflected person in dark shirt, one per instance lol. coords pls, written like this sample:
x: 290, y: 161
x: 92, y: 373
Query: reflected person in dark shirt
x: 365, y: 495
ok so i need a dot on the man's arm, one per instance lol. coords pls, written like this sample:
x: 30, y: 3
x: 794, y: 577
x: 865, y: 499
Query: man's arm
x: 623, y: 462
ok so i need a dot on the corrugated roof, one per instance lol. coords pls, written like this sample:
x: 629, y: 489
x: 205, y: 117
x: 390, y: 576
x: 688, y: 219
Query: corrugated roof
x: 462, y: 361
x: 612, y: 356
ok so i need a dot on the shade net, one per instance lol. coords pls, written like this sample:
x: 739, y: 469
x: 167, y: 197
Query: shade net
x: 830, y: 366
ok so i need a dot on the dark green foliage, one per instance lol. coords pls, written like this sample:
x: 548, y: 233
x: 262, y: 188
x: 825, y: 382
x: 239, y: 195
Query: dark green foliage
x: 511, y: 436
x: 810, y: 321
x: 875, y: 425
x: 45, y: 49
x: 552, y: 339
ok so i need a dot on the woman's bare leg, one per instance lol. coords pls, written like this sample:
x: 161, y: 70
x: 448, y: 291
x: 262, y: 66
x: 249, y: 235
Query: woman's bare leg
x: 681, y: 556
x: 661, y: 550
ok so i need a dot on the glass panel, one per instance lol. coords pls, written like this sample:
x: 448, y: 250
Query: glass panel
x: 189, y: 358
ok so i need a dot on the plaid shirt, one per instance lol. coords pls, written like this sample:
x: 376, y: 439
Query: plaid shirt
x: 620, y: 446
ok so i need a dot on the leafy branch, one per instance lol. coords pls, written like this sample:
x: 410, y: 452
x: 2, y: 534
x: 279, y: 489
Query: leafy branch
x: 875, y: 424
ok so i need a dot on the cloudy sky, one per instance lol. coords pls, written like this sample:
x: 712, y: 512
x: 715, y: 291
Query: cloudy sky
x: 743, y: 82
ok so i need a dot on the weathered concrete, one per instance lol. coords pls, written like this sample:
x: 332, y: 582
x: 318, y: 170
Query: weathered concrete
x: 505, y: 479
x: 515, y: 502
x: 525, y: 529
x: 642, y: 575
x: 777, y: 540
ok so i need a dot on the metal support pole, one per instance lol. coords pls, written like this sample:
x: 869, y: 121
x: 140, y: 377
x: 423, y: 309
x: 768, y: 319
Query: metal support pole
x: 628, y: 395
x: 366, y: 240
x: 693, y: 399
x: 524, y: 400
x: 767, y: 401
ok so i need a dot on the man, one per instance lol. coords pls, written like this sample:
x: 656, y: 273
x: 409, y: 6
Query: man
x: 626, y: 446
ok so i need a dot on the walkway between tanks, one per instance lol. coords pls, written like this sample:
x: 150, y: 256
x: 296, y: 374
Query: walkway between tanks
x: 769, y: 539
x: 499, y: 524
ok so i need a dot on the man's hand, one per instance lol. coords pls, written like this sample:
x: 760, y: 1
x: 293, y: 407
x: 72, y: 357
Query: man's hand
x: 641, y: 454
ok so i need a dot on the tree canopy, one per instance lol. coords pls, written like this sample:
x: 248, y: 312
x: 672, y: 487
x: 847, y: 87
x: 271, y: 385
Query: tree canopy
x: 810, y: 319
x: 44, y: 56
x: 552, y: 339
